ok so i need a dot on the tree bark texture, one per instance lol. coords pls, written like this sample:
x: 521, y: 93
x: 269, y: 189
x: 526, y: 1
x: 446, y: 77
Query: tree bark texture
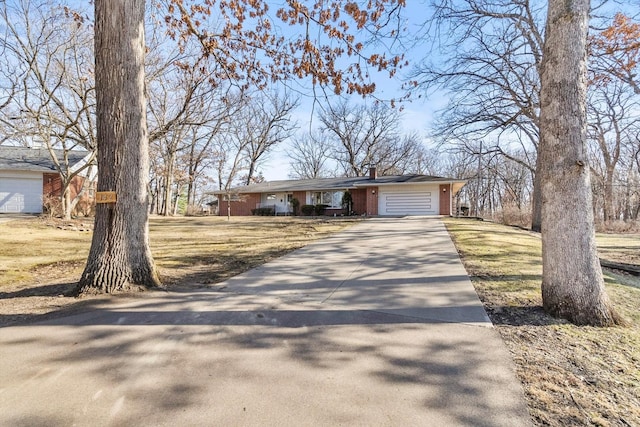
x: 66, y: 201
x: 536, y: 202
x: 120, y: 258
x: 572, y: 282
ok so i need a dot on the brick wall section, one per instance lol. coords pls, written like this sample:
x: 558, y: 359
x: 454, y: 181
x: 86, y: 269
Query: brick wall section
x: 76, y: 187
x: 51, y: 185
x: 333, y: 211
x: 52, y: 193
x: 239, y: 208
x: 302, y: 198
x: 365, y: 201
x: 359, y: 198
x: 222, y: 206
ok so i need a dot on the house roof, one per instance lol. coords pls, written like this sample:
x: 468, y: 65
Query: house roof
x: 35, y: 159
x: 342, y: 183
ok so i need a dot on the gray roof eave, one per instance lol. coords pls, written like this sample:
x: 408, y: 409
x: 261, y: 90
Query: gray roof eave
x: 34, y: 159
x: 280, y: 189
x: 327, y: 184
x: 386, y: 184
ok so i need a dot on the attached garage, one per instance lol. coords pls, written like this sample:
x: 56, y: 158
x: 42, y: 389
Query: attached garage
x: 27, y: 175
x: 403, y: 200
x: 21, y: 192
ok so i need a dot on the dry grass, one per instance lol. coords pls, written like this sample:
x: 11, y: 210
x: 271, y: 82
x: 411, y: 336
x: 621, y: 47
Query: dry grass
x: 571, y: 375
x: 200, y: 251
x: 623, y: 248
x: 40, y: 262
x: 27, y: 247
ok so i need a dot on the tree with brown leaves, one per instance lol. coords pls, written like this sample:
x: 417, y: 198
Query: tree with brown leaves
x: 615, y: 53
x: 243, y: 45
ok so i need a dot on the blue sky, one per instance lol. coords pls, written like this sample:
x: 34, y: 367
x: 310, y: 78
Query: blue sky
x: 417, y: 114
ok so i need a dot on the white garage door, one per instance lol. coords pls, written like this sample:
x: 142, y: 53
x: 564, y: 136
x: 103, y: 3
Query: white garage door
x: 414, y: 202
x: 21, y: 194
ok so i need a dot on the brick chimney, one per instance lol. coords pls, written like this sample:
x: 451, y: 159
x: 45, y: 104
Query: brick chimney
x: 373, y: 172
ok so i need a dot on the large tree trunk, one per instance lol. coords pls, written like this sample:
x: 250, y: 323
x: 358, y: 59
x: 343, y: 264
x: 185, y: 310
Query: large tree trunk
x: 120, y: 258
x: 572, y: 283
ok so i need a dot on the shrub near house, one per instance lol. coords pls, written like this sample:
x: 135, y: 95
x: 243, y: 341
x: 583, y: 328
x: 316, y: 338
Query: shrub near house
x: 308, y: 210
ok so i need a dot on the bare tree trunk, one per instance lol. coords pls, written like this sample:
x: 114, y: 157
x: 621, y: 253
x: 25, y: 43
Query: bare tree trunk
x: 168, y: 186
x: 120, y: 258
x: 191, y: 187
x: 609, y: 209
x: 252, y: 166
x: 627, y: 194
x: 66, y: 202
x: 536, y: 202
x: 572, y: 283
x: 177, y: 199
x: 154, y: 196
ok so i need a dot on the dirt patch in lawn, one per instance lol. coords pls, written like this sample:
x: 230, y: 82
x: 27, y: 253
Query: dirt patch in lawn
x: 41, y: 259
x: 571, y: 375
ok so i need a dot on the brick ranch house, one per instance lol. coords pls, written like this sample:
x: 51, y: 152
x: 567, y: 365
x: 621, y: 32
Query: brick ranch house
x: 375, y: 195
x: 28, y: 177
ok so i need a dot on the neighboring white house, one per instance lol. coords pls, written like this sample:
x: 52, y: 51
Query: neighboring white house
x: 28, y: 173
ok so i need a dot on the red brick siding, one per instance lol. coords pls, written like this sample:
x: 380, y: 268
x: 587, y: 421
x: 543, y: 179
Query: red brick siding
x: 365, y: 200
x: 239, y: 208
x: 359, y: 198
x: 333, y: 211
x: 302, y: 198
x: 52, y: 193
x: 76, y: 187
x: 445, y: 199
x: 51, y: 185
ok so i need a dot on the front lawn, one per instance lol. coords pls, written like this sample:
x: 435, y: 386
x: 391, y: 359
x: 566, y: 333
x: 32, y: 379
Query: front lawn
x: 41, y: 259
x: 571, y: 375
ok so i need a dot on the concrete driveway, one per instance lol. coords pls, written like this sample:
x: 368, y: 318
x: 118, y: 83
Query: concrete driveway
x: 375, y: 326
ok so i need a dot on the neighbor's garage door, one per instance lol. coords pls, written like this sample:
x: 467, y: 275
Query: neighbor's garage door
x: 403, y: 201
x: 21, y: 194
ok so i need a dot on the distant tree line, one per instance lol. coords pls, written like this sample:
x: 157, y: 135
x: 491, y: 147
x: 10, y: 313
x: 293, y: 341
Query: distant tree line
x: 492, y: 78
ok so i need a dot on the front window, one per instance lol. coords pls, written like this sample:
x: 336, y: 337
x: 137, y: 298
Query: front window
x: 332, y: 199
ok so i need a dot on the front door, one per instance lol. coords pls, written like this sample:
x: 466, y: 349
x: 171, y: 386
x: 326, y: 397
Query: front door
x: 289, y: 206
x: 445, y: 199
x: 283, y: 203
